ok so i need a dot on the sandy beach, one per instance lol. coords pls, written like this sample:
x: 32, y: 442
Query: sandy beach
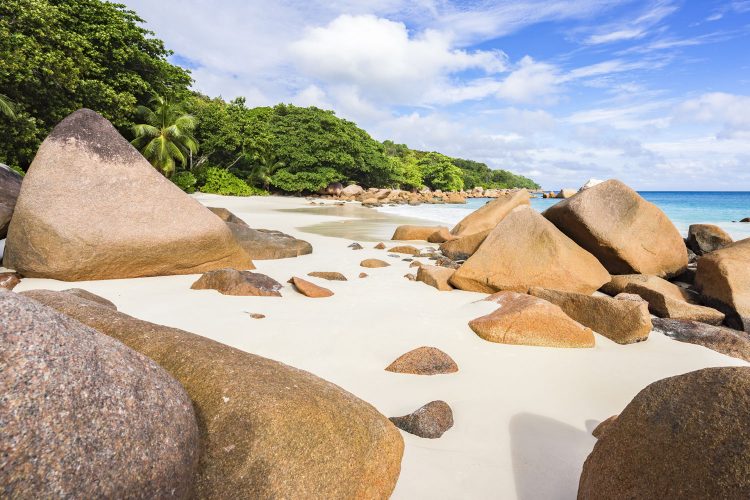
x: 523, y: 415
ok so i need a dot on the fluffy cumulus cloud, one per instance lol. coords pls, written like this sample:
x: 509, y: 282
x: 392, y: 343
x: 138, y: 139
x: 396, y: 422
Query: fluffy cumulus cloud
x: 729, y: 112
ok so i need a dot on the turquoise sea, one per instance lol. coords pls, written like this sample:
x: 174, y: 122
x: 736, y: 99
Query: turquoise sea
x: 682, y: 207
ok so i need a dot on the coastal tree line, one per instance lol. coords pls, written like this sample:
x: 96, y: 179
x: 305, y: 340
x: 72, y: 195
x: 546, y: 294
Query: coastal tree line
x: 57, y: 56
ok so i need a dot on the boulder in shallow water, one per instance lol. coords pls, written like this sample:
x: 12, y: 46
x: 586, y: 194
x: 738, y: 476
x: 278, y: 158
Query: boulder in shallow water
x: 526, y: 250
x: 234, y: 282
x: 705, y: 238
x: 267, y: 430
x: 625, y: 232
x: 84, y: 416
x: 430, y: 421
x: 10, y: 186
x: 91, y: 207
x: 424, y: 361
x: 723, y: 279
x: 681, y: 437
x: 488, y: 216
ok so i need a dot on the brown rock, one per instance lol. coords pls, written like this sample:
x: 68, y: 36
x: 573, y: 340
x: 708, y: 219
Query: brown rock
x: 724, y: 340
x: 227, y: 216
x: 8, y: 281
x: 84, y: 416
x: 355, y: 246
x: 681, y: 437
x: 126, y: 220
x: 373, y: 263
x: 462, y: 248
x: 256, y: 315
x: 416, y: 263
x: 622, y: 321
x: 10, y: 186
x: 619, y: 283
x: 746, y: 219
x: 526, y: 250
x: 526, y: 320
x: 410, y: 276
x: 436, y: 276
x: 723, y: 278
x: 414, y: 233
x: 267, y: 244
x: 600, y: 429
x: 430, y: 421
x: 630, y: 296
x: 441, y: 236
x: 455, y: 198
x: 705, y: 238
x: 328, y: 275
x: 625, y: 232
x: 267, y: 430
x: 665, y: 306
x: 310, y: 289
x: 380, y: 246
x: 233, y: 282
x: 490, y: 215
x: 424, y: 361
x: 363, y: 275
x: 84, y: 294
x: 407, y: 249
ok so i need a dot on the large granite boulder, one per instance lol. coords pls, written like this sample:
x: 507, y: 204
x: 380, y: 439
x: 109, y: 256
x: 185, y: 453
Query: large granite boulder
x: 681, y: 437
x: 268, y: 430
x: 414, y: 233
x: 718, y: 338
x: 84, y: 416
x: 526, y: 250
x: 10, y: 186
x: 705, y: 238
x: 623, y: 321
x: 490, y: 215
x: 91, y: 207
x: 526, y: 320
x: 723, y: 279
x: 461, y: 248
x: 625, y: 232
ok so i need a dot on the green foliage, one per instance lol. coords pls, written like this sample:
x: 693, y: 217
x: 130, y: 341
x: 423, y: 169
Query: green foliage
x: 18, y: 170
x: 305, y: 181
x: 220, y: 181
x: 185, y: 180
x: 478, y: 174
x: 57, y: 56
x: 439, y: 172
x: 6, y: 106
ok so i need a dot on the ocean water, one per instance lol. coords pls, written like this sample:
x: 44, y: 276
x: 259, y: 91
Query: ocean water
x: 682, y: 207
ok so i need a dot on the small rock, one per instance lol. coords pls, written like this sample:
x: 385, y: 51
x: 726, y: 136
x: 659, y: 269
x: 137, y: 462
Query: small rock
x: 380, y: 246
x: 356, y: 246
x: 328, y: 275
x: 416, y: 263
x: 446, y: 262
x: 310, y: 289
x: 407, y: 249
x: 8, y: 281
x: 430, y: 421
x: 746, y: 219
x: 410, y: 277
x: 256, y: 315
x: 233, y: 282
x: 424, y: 361
x: 363, y: 275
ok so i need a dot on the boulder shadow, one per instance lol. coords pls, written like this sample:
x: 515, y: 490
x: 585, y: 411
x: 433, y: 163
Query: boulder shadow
x: 548, y: 456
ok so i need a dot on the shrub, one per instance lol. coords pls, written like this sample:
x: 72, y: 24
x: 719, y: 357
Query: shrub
x: 223, y: 182
x: 185, y: 180
x: 18, y: 170
x: 311, y: 180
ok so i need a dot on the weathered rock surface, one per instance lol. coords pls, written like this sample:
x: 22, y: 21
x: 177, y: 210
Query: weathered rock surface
x: 461, y: 248
x: 490, y: 215
x: 328, y: 275
x: 380, y: 246
x: 440, y: 236
x: 412, y: 233
x: 619, y: 283
x: 718, y: 338
x: 424, y: 361
x: 723, y: 278
x: 681, y: 437
x: 622, y: 321
x: 566, y: 193
x: 526, y: 250
x: 267, y: 430
x: 233, y: 282
x: 373, y: 263
x: 705, y: 238
x: 625, y: 232
x: 352, y: 190
x: 227, y: 216
x: 525, y: 320
x: 600, y: 429
x: 267, y: 244
x: 10, y: 186
x: 407, y: 249
x: 85, y: 294
x: 8, y: 281
x: 436, y: 276
x: 91, y: 207
x: 310, y: 289
x: 355, y: 246
x: 666, y: 306
x: 84, y: 416
x: 430, y: 421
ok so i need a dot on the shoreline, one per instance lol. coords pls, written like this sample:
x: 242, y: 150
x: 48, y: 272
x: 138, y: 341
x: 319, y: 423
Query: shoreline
x: 523, y: 415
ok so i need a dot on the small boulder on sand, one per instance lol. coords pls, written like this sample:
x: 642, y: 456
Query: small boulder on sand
x: 415, y: 233
x: 430, y: 421
x: 436, y: 276
x: 9, y: 280
x: 490, y: 215
x: 525, y: 320
x: 681, y: 437
x: 328, y: 275
x: 363, y: 275
x: 234, y: 282
x: 705, y: 238
x: 380, y: 246
x: 723, y: 279
x: 718, y: 338
x: 310, y: 289
x: 373, y: 263
x: 407, y: 249
x: 625, y: 232
x: 423, y: 361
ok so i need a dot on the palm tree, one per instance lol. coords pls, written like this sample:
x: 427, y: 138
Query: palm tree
x: 264, y: 161
x: 166, y: 136
x: 7, y: 107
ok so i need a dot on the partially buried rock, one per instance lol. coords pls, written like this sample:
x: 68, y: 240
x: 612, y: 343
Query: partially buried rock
x: 310, y: 289
x: 84, y: 416
x: 10, y: 186
x: 720, y: 339
x: 356, y: 246
x: 705, y: 238
x: 490, y: 215
x: 622, y: 321
x: 625, y: 232
x: 328, y: 275
x: 256, y: 315
x: 407, y: 249
x: 411, y: 233
x: 424, y: 361
x: 373, y: 263
x: 267, y: 430
x: 525, y: 320
x: 380, y: 246
x: 436, y: 276
x: 9, y: 281
x: 723, y: 278
x: 363, y: 275
x: 665, y: 306
x: 681, y: 437
x: 526, y: 250
x: 410, y: 276
x: 430, y: 421
x: 233, y: 282
x: 91, y: 207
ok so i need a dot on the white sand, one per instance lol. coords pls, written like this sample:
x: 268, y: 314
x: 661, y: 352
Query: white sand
x: 523, y: 415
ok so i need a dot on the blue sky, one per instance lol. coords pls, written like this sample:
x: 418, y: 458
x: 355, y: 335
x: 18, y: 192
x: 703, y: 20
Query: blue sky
x: 653, y: 92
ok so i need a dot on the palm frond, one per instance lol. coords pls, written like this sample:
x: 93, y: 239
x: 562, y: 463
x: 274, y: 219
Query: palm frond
x: 7, y: 107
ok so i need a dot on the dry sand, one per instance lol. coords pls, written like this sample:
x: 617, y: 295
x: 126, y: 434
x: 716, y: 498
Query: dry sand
x: 523, y: 415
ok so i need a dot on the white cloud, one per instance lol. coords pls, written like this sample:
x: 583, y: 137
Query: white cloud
x: 633, y: 29
x: 532, y: 81
x: 730, y: 112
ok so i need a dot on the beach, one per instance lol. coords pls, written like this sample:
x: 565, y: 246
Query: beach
x: 523, y: 415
